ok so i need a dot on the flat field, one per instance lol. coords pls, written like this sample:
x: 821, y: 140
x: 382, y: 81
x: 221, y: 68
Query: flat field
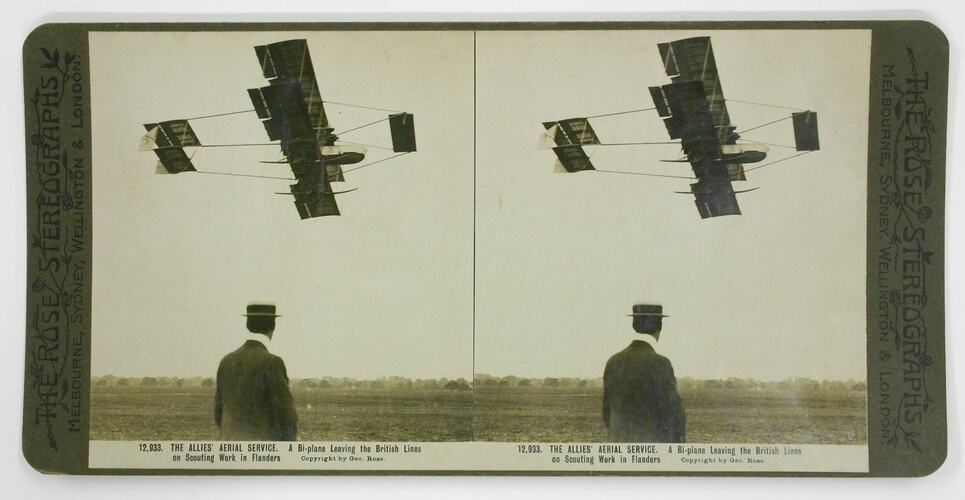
x: 187, y: 413
x: 529, y: 414
x: 571, y: 414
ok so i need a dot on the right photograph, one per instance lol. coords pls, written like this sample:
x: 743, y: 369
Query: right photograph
x: 670, y: 236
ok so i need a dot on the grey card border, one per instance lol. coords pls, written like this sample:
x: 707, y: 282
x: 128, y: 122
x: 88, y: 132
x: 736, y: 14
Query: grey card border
x: 906, y: 362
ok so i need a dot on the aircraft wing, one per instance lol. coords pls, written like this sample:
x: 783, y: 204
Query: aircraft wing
x: 287, y: 118
x: 714, y: 198
x: 314, y: 201
x: 692, y: 60
x: 173, y: 160
x: 168, y: 140
x: 693, y: 110
x: 172, y: 133
x: 567, y: 138
x: 289, y: 61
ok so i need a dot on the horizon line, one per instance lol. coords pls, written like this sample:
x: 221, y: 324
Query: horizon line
x: 486, y: 375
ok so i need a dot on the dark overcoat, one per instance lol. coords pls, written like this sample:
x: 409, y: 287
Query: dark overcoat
x: 640, y: 400
x: 252, y: 399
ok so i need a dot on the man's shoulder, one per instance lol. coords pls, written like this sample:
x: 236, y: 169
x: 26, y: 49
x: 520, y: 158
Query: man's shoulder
x: 660, y: 357
x: 276, y: 360
x: 232, y: 355
x: 641, y: 352
x: 248, y: 360
x: 655, y: 357
x: 251, y: 350
x: 626, y: 355
x: 272, y: 361
x: 618, y: 356
x: 661, y: 364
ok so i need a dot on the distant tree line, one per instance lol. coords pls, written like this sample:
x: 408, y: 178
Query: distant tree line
x: 112, y: 380
x: 685, y: 384
x: 797, y: 384
x: 485, y: 380
x: 459, y: 384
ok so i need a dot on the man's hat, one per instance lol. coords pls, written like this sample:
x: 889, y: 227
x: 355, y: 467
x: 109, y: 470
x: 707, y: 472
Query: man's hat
x: 648, y: 310
x: 262, y: 310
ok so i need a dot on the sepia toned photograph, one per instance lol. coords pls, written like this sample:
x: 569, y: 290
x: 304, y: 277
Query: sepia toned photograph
x: 692, y: 268
x: 765, y: 341
x: 266, y: 296
x: 485, y: 248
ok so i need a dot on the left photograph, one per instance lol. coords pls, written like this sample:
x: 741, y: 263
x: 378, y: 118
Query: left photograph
x: 259, y: 272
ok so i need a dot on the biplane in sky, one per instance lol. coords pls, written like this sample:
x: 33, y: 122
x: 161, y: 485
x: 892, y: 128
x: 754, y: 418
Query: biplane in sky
x: 694, y: 111
x: 292, y: 111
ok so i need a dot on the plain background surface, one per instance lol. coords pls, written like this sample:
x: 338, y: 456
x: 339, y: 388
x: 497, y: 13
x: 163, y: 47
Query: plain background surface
x: 560, y: 258
x: 384, y: 290
x: 19, y: 480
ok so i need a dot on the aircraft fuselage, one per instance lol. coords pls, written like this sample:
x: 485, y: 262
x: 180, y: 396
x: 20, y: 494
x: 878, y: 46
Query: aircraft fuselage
x: 342, y: 154
x: 743, y: 153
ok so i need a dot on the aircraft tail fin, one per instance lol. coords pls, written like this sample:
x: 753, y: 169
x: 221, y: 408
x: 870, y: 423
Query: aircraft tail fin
x: 402, y: 128
x: 806, y: 131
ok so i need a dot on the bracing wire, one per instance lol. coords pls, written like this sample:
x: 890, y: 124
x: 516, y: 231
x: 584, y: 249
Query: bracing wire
x: 221, y: 114
x: 691, y: 178
x: 646, y: 174
x: 362, y: 126
x: 229, y: 113
x: 776, y: 161
x: 764, y: 125
x: 375, y: 162
x: 755, y: 141
x: 764, y: 104
x: 374, y: 108
x: 238, y: 145
x: 208, y: 172
x: 367, y: 145
x: 621, y: 113
x: 632, y: 143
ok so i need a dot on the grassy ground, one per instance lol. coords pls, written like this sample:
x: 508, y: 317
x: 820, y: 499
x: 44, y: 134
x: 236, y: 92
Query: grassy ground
x: 562, y: 414
x: 725, y: 415
x: 175, y: 413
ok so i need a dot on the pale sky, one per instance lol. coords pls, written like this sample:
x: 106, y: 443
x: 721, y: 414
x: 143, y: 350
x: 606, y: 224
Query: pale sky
x: 387, y: 288
x: 777, y: 292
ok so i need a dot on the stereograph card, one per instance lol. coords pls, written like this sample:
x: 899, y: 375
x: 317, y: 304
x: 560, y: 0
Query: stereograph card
x: 710, y: 248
